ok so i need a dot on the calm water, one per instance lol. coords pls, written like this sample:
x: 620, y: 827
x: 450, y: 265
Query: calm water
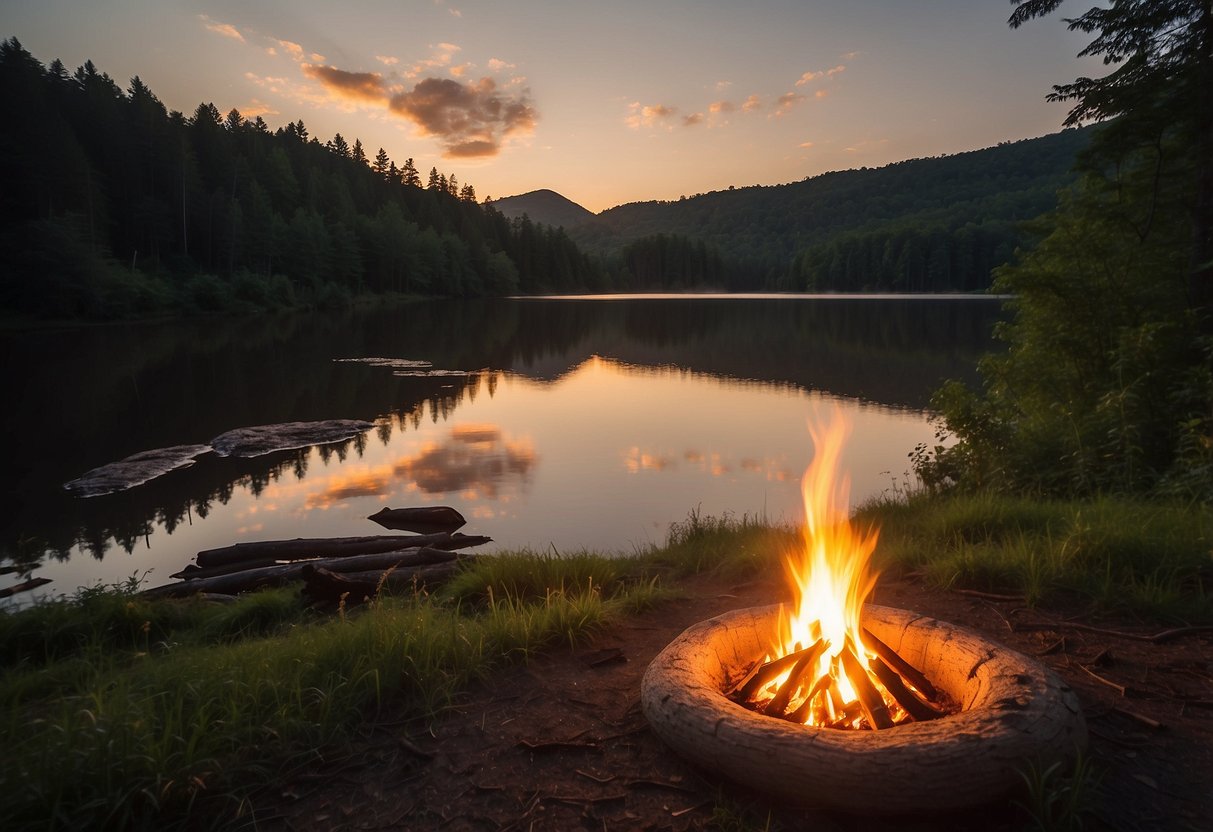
x: 550, y: 423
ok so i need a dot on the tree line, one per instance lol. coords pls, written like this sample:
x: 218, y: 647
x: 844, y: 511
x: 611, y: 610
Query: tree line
x: 113, y: 206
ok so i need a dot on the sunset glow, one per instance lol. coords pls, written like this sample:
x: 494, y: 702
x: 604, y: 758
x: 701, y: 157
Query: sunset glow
x: 610, y: 104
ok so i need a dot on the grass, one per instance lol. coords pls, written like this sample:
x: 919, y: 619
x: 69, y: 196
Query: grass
x: 1116, y: 555
x: 119, y: 712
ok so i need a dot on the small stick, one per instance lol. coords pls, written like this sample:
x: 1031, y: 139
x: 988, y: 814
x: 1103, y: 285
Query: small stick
x: 1060, y: 644
x: 1142, y: 718
x: 917, y: 708
x: 988, y: 596
x: 1118, y: 688
x: 908, y: 672
x: 766, y: 673
x: 873, y: 704
x: 1156, y: 638
x: 803, y: 665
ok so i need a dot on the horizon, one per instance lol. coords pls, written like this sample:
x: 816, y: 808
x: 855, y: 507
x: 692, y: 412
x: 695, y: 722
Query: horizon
x: 604, y: 107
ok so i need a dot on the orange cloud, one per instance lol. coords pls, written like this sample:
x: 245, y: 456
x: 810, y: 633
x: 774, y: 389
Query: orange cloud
x: 291, y: 48
x: 648, y: 115
x: 809, y: 76
x: 227, y: 30
x: 470, y: 120
x: 359, y: 86
x: 692, y: 119
x: 786, y: 102
x: 751, y: 104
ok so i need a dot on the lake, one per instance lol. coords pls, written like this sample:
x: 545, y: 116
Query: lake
x: 556, y: 424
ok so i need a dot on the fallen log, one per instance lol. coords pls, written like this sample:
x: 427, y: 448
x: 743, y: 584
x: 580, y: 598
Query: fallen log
x: 325, y: 587
x: 24, y: 586
x: 421, y: 520
x: 302, y: 548
x: 284, y: 573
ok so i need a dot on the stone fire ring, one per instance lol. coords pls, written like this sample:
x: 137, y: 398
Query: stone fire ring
x: 1014, y: 712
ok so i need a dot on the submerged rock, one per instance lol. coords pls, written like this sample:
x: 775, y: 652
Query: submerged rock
x: 266, y: 439
x: 135, y: 470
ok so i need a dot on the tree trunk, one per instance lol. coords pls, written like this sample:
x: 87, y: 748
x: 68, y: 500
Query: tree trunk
x: 302, y: 547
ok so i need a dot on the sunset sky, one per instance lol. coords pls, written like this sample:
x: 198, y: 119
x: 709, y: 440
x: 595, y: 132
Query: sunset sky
x: 606, y: 103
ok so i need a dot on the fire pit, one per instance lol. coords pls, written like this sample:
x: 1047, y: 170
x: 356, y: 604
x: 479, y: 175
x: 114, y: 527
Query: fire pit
x: 1013, y: 711
x: 855, y: 706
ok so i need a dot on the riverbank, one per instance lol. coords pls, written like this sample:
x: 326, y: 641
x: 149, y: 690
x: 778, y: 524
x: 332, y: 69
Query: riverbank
x: 126, y: 713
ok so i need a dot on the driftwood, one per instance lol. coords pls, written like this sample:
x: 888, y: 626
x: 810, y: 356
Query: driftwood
x: 284, y: 573
x: 421, y: 520
x: 302, y: 548
x: 24, y: 586
x: 1015, y: 709
x: 328, y: 588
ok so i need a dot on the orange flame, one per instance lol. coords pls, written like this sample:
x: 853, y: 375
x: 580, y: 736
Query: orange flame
x: 830, y: 578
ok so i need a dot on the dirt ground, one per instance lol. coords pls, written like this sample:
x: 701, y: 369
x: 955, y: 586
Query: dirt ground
x: 561, y: 744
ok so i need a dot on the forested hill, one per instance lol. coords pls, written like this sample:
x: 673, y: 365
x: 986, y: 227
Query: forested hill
x: 931, y: 224
x: 111, y: 206
x: 544, y: 206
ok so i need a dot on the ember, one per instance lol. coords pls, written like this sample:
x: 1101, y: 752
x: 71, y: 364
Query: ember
x: 846, y: 677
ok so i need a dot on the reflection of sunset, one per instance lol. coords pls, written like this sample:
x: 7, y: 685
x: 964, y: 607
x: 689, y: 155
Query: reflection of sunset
x: 473, y: 461
x: 714, y: 464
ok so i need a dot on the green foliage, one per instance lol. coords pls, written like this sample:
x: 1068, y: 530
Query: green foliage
x: 936, y: 224
x: 1057, y: 798
x: 114, y: 207
x: 1106, y: 385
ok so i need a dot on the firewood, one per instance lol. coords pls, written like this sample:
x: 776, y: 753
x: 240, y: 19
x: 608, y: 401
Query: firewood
x: 806, y: 706
x: 302, y: 548
x: 871, y: 700
x: 908, y: 672
x: 805, y: 664
x: 765, y: 674
x: 422, y: 520
x: 917, y: 708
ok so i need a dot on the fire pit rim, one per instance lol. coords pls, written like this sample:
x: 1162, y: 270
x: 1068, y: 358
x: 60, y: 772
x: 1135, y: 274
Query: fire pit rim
x: 1013, y: 710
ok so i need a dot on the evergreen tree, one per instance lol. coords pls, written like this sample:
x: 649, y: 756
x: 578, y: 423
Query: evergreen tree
x: 339, y: 145
x: 358, y: 154
x: 409, y: 175
x: 384, y: 167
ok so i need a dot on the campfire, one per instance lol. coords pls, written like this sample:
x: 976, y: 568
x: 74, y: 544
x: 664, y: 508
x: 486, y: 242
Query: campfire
x: 827, y: 669
x: 863, y: 708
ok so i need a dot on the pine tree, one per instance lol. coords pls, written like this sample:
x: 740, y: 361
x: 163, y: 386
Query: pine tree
x: 409, y: 175
x: 358, y: 154
x: 382, y: 165
x: 435, y: 183
x: 339, y: 145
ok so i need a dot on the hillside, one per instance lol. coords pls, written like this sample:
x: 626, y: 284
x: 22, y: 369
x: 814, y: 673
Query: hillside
x: 546, y: 207
x: 929, y: 224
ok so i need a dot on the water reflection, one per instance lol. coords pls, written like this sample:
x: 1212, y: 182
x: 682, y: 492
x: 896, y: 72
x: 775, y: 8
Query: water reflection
x: 626, y: 410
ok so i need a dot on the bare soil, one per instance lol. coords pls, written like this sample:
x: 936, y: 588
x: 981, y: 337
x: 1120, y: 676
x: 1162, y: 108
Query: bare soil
x: 561, y: 743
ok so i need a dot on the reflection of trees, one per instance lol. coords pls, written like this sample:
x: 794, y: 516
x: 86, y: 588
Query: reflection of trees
x: 111, y: 392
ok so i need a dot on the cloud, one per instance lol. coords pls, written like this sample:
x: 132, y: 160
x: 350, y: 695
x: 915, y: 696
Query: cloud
x: 227, y: 30
x: 786, y: 102
x: 807, y: 145
x: 356, y: 86
x: 821, y: 93
x: 721, y: 86
x: 470, y: 120
x: 498, y: 65
x: 461, y: 70
x: 751, y: 104
x: 257, y: 108
x: 387, y: 60
x: 835, y: 70
x: 692, y: 119
x: 721, y: 107
x: 808, y: 77
x: 441, y: 55
x: 291, y: 48
x: 648, y: 115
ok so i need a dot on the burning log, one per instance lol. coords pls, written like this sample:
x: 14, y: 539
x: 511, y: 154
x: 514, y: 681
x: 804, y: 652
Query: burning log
x: 764, y: 674
x: 303, y: 548
x: 918, y: 709
x: 873, y: 704
x: 421, y: 520
x: 904, y: 668
x: 805, y: 664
